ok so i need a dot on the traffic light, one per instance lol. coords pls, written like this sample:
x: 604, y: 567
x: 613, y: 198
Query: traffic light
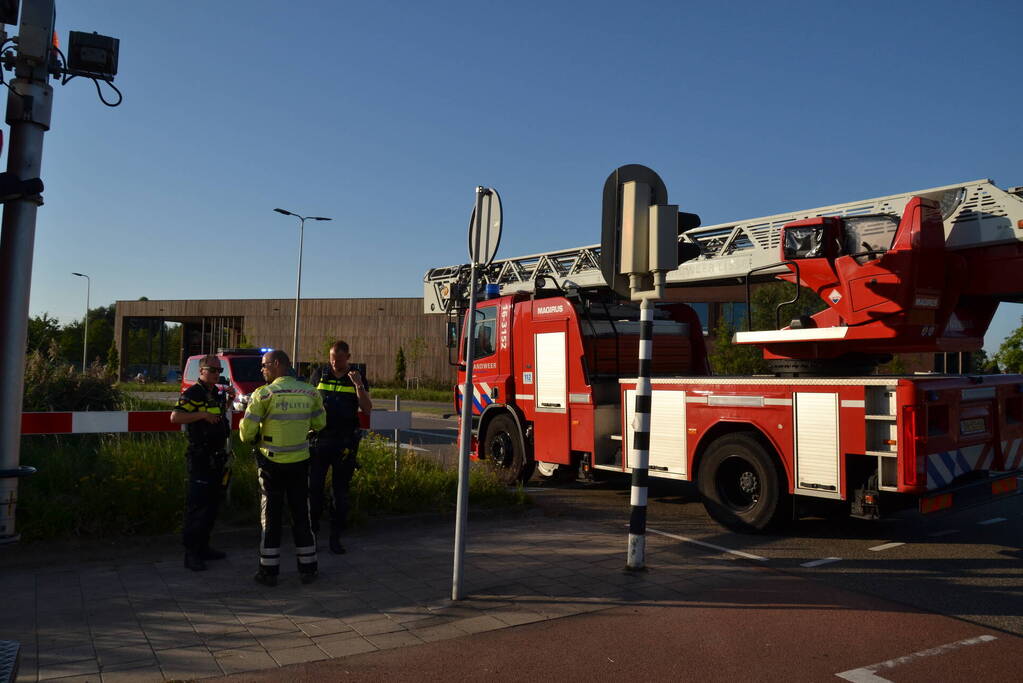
x: 687, y: 251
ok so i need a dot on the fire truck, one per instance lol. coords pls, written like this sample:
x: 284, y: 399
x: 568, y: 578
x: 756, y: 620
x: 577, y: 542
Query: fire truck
x: 556, y: 349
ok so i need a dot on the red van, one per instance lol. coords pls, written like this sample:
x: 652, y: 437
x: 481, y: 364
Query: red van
x: 241, y: 371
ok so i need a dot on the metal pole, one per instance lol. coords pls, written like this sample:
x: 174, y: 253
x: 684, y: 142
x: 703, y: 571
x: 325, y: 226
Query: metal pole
x: 298, y: 289
x: 462, y: 509
x: 29, y: 105
x: 397, y: 446
x: 85, y: 336
x: 641, y: 442
x: 85, y: 342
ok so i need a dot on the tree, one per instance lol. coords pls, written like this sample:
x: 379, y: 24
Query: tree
x: 1010, y: 354
x: 113, y: 359
x: 42, y: 331
x: 399, y: 367
x: 729, y: 358
x: 416, y: 349
x: 766, y: 299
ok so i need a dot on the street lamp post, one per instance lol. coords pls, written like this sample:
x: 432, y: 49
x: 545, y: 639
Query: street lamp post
x: 298, y: 287
x: 85, y: 341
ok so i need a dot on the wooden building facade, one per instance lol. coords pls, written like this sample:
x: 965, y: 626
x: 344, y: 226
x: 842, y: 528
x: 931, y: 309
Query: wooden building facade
x: 373, y: 328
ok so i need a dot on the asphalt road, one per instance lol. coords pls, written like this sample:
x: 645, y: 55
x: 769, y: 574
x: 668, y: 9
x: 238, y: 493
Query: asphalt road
x: 967, y: 564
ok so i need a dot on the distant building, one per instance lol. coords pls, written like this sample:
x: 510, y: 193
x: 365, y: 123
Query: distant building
x: 374, y: 328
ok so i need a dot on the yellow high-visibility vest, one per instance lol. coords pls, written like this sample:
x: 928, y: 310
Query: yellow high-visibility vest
x: 279, y: 417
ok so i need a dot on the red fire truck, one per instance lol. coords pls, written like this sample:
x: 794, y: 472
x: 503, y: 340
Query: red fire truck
x: 555, y: 362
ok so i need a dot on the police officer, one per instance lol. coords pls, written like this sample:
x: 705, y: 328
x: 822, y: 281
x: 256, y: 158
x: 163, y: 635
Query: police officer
x: 344, y: 393
x: 202, y: 409
x: 278, y: 418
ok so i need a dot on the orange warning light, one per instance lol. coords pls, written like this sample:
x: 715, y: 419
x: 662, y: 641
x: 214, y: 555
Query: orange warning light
x: 936, y: 503
x: 1004, y: 486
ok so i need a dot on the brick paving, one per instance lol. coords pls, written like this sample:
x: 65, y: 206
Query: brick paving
x: 153, y: 620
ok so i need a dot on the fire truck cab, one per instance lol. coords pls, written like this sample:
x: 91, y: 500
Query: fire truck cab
x: 548, y: 364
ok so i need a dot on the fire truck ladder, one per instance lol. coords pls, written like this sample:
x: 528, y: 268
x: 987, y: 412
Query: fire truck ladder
x: 976, y: 213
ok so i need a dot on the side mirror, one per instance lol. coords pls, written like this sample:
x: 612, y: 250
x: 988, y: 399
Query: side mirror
x: 452, y: 334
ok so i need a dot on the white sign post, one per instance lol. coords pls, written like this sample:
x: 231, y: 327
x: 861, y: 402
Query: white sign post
x: 484, y: 236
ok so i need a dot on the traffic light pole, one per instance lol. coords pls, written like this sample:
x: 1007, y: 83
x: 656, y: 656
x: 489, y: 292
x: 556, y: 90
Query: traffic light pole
x: 29, y: 104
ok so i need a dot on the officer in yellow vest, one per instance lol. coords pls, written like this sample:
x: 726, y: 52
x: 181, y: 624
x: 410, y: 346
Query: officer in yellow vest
x: 277, y: 421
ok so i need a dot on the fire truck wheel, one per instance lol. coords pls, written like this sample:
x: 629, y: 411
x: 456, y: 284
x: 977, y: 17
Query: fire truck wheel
x: 741, y: 484
x: 504, y: 451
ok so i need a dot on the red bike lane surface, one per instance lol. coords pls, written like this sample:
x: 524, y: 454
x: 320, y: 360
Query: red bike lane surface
x: 773, y: 627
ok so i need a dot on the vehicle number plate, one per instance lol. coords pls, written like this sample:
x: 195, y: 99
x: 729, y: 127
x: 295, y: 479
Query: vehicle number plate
x: 973, y: 425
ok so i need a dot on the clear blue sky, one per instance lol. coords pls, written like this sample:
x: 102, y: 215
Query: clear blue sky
x: 386, y: 115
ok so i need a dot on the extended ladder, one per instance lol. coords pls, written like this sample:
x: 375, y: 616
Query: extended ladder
x: 976, y: 213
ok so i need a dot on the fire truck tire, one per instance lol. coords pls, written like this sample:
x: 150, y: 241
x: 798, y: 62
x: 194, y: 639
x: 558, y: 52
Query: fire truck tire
x: 742, y: 485
x: 505, y: 452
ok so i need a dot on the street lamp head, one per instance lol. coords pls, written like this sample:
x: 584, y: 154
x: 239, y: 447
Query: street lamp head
x: 80, y: 274
x: 286, y: 213
x: 319, y: 218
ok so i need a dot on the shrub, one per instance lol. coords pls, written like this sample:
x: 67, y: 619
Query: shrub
x: 51, y: 384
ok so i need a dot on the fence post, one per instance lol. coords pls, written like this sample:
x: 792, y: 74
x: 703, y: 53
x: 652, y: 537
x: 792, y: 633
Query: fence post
x: 397, y: 446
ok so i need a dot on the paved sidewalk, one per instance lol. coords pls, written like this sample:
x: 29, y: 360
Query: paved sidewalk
x: 154, y: 620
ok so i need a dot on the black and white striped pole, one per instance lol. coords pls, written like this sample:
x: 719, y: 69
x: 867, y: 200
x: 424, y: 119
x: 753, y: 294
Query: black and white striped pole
x: 639, y: 245
x: 641, y: 440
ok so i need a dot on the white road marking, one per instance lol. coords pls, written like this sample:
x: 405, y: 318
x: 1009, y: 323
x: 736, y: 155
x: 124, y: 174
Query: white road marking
x: 867, y: 674
x: 993, y: 520
x: 886, y: 546
x: 945, y: 532
x: 686, y: 539
x: 817, y: 563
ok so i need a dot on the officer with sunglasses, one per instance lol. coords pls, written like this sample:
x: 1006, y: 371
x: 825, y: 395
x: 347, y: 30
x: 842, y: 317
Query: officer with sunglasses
x: 202, y: 408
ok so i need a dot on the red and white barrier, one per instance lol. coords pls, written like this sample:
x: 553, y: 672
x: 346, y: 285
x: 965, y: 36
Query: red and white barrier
x: 124, y: 421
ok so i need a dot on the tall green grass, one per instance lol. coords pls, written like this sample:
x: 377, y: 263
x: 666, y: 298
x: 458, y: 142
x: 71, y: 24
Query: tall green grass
x: 134, y: 484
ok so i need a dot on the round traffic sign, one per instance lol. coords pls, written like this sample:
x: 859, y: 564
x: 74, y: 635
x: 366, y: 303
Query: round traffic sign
x: 485, y: 235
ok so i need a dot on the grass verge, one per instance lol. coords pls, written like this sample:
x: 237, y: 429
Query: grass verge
x: 149, y: 387
x: 134, y: 484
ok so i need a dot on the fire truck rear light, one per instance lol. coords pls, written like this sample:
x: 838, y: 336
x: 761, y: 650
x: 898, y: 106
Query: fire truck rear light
x: 869, y: 499
x: 942, y: 502
x: 1004, y: 486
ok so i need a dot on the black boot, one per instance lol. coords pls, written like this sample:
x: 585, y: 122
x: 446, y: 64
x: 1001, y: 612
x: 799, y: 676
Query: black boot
x: 335, y: 545
x: 266, y: 578
x: 194, y: 562
x: 209, y: 553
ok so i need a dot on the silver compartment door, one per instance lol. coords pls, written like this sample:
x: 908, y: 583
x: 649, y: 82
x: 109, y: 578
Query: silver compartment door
x: 551, y: 392
x: 667, y: 430
x: 817, y: 456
